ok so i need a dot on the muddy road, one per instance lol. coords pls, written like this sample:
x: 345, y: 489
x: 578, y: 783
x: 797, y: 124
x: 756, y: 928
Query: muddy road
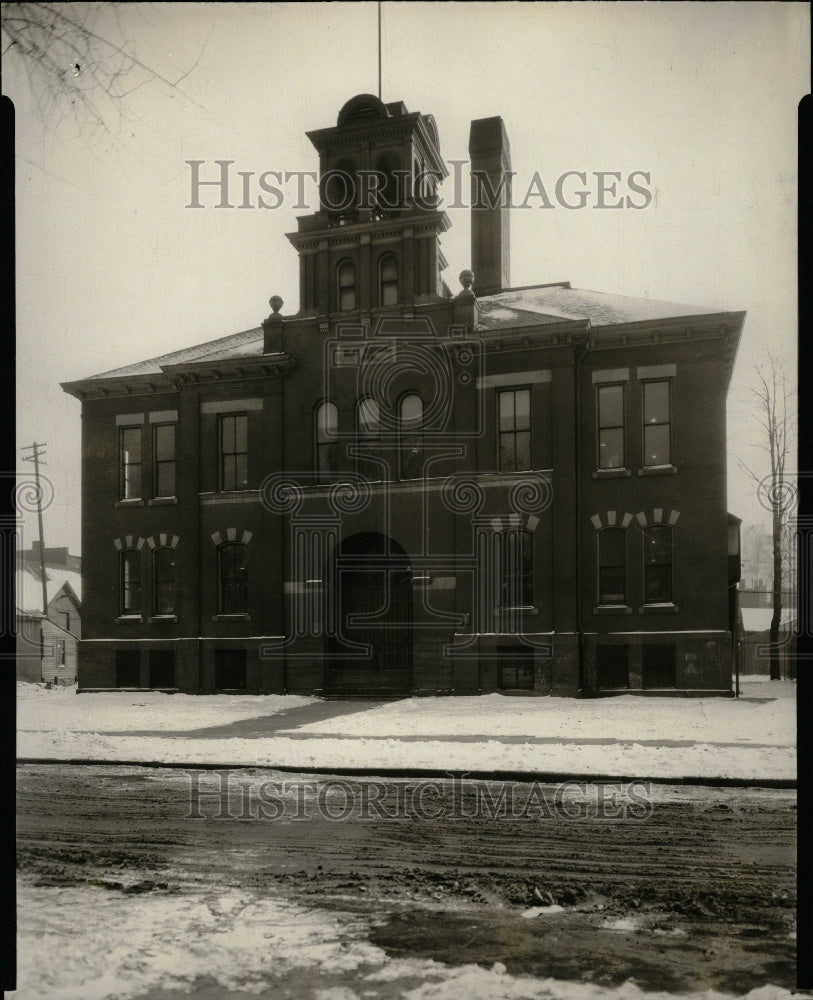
x: 676, y: 889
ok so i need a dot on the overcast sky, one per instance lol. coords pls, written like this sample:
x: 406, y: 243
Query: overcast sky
x: 113, y: 268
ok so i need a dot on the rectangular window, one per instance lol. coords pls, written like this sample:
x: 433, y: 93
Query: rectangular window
x: 234, y: 452
x: 130, y: 463
x: 657, y: 423
x: 66, y: 620
x: 658, y: 666
x: 163, y: 449
x: 60, y: 652
x: 612, y: 666
x: 516, y: 569
x: 230, y: 669
x: 514, y: 429
x: 128, y: 668
x: 162, y: 668
x: 610, y: 403
x: 612, y: 566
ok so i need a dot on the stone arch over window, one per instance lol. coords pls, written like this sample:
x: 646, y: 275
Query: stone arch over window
x: 610, y: 519
x: 657, y: 515
x: 163, y: 539
x: 231, y: 535
x: 129, y: 542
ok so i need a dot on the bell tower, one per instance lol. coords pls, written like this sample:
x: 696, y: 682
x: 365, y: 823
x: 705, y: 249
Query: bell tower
x: 374, y: 243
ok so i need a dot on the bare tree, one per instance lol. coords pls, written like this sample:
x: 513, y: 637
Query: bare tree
x: 772, y: 395
x: 79, y: 62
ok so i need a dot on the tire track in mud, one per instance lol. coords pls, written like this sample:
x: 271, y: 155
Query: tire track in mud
x: 707, y: 879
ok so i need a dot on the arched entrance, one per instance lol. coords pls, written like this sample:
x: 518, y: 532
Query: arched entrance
x: 371, y: 585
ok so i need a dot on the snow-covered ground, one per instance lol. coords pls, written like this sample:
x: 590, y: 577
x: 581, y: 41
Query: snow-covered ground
x: 750, y: 738
x: 150, y: 944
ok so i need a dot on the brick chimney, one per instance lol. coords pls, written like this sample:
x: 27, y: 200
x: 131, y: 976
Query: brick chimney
x: 490, y: 158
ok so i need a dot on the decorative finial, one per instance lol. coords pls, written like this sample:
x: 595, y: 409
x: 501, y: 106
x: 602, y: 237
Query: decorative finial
x: 466, y: 280
x: 276, y: 303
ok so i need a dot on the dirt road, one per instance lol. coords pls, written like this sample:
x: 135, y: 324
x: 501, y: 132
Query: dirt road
x: 677, y: 889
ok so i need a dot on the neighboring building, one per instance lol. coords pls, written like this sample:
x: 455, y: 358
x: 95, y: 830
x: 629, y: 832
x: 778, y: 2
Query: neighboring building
x: 755, y: 644
x: 399, y: 490
x: 47, y: 643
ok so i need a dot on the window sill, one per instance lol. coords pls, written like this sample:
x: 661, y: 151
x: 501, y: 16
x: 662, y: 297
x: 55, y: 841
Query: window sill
x: 653, y: 609
x: 612, y: 473
x: 612, y: 609
x: 231, y: 618
x: 164, y: 618
x: 130, y: 502
x: 524, y: 609
x: 130, y: 618
x: 161, y: 501
x: 658, y: 470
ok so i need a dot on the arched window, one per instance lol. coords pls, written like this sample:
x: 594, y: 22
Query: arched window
x: 368, y: 418
x: 516, y: 569
x: 612, y: 566
x: 389, y: 182
x: 411, y: 436
x: 163, y: 581
x: 346, y: 282
x: 233, y: 579
x: 388, y: 280
x: 130, y: 582
x: 339, y: 193
x: 326, y: 431
x: 658, y: 564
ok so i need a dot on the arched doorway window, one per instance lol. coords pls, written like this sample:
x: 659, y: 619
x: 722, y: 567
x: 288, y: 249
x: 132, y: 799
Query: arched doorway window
x: 411, y: 436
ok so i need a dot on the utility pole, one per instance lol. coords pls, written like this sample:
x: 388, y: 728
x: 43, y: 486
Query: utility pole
x: 35, y: 456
